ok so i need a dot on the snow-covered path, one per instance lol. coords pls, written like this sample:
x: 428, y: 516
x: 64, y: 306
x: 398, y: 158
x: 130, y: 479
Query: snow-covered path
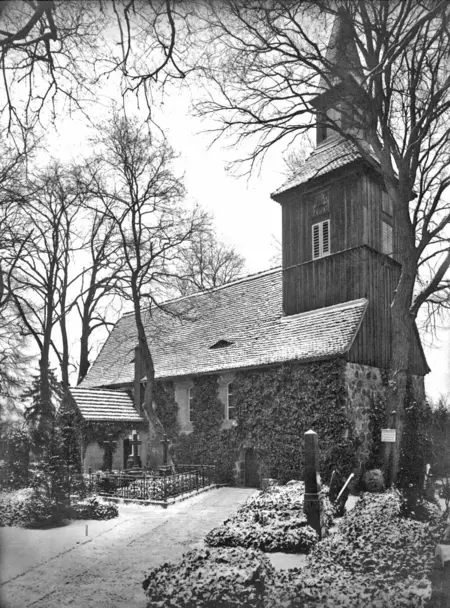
x: 62, y: 567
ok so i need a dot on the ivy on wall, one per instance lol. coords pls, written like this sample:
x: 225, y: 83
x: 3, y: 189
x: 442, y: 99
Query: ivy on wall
x: 208, y: 444
x: 276, y: 406
x: 166, y: 408
x: 377, y: 417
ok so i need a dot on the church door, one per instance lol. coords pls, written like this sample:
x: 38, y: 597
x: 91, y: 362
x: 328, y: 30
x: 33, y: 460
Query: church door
x: 251, y: 469
x: 126, y: 451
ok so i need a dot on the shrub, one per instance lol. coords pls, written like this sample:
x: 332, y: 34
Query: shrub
x: 93, y: 509
x: 265, y: 530
x: 14, y: 457
x: 29, y: 508
x: 211, y: 578
x: 377, y: 558
x: 272, y: 520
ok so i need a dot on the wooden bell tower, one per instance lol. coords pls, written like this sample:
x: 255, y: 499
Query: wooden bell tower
x: 338, y: 231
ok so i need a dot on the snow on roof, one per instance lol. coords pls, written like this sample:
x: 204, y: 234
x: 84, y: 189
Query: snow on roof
x: 101, y: 405
x: 333, y: 154
x: 247, y: 314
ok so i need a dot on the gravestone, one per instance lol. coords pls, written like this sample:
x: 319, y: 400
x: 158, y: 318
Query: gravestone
x: 134, y: 462
x: 109, y: 448
x: 313, y: 506
x: 165, y: 469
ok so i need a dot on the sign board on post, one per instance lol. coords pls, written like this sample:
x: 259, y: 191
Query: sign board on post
x: 388, y: 435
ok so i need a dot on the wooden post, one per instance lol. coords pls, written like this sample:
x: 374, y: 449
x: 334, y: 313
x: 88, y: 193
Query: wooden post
x: 312, y: 504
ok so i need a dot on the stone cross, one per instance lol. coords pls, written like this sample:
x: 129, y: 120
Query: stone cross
x: 165, y: 443
x: 312, y: 504
x: 109, y: 446
x: 135, y: 443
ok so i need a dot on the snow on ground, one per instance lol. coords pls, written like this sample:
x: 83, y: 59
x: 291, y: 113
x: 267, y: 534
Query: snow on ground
x: 62, y: 567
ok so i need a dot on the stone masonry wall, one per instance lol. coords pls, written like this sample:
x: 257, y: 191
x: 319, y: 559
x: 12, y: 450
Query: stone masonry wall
x: 364, y: 384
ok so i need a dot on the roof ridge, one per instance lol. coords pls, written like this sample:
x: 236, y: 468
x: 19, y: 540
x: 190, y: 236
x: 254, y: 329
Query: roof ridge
x: 243, y: 279
x: 98, y: 390
x: 315, y: 311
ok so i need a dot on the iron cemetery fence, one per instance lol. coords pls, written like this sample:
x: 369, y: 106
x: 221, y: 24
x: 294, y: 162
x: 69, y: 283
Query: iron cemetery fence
x: 152, y: 486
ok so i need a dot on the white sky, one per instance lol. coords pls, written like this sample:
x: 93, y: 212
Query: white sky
x: 245, y: 215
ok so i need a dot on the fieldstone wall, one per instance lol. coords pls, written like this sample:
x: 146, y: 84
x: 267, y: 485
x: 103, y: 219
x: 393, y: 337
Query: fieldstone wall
x: 418, y: 387
x: 364, y: 384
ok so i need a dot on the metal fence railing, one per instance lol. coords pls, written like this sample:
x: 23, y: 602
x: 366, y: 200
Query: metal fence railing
x: 151, y: 486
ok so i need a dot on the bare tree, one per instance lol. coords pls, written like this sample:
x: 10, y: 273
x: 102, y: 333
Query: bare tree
x: 207, y: 263
x: 140, y: 193
x: 55, y: 52
x: 47, y: 206
x: 14, y: 233
x: 100, y: 284
x: 47, y: 54
x: 268, y: 63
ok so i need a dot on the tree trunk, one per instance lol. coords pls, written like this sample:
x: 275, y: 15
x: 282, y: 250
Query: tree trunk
x: 156, y: 429
x: 65, y: 353
x: 402, y: 334
x: 84, y: 363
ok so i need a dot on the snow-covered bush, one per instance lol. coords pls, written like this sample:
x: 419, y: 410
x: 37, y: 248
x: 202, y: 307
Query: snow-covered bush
x: 28, y: 508
x: 92, y: 508
x: 376, y: 559
x: 265, y: 530
x: 211, y: 578
x: 272, y: 520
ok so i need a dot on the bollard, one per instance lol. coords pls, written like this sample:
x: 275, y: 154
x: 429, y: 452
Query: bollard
x: 312, y: 505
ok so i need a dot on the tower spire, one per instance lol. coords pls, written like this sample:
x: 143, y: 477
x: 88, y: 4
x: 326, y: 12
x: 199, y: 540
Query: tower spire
x: 341, y: 60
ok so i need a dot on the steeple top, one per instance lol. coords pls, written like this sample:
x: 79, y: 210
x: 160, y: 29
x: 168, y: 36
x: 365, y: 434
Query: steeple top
x: 341, y: 59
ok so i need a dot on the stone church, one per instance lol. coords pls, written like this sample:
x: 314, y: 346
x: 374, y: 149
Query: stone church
x: 329, y: 300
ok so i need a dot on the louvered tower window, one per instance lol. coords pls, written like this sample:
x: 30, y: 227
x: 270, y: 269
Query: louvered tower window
x: 320, y: 239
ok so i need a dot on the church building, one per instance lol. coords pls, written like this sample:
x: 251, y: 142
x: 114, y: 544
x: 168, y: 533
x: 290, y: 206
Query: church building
x: 330, y: 300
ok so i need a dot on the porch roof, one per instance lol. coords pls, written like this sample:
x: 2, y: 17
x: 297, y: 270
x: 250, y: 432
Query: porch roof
x: 104, y: 405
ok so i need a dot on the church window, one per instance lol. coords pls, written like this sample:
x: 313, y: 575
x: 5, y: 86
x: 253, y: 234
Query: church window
x: 386, y: 238
x: 231, y: 407
x: 321, y: 239
x: 190, y: 403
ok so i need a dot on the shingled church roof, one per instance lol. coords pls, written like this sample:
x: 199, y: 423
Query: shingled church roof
x: 239, y: 325
x: 332, y: 155
x: 102, y: 406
